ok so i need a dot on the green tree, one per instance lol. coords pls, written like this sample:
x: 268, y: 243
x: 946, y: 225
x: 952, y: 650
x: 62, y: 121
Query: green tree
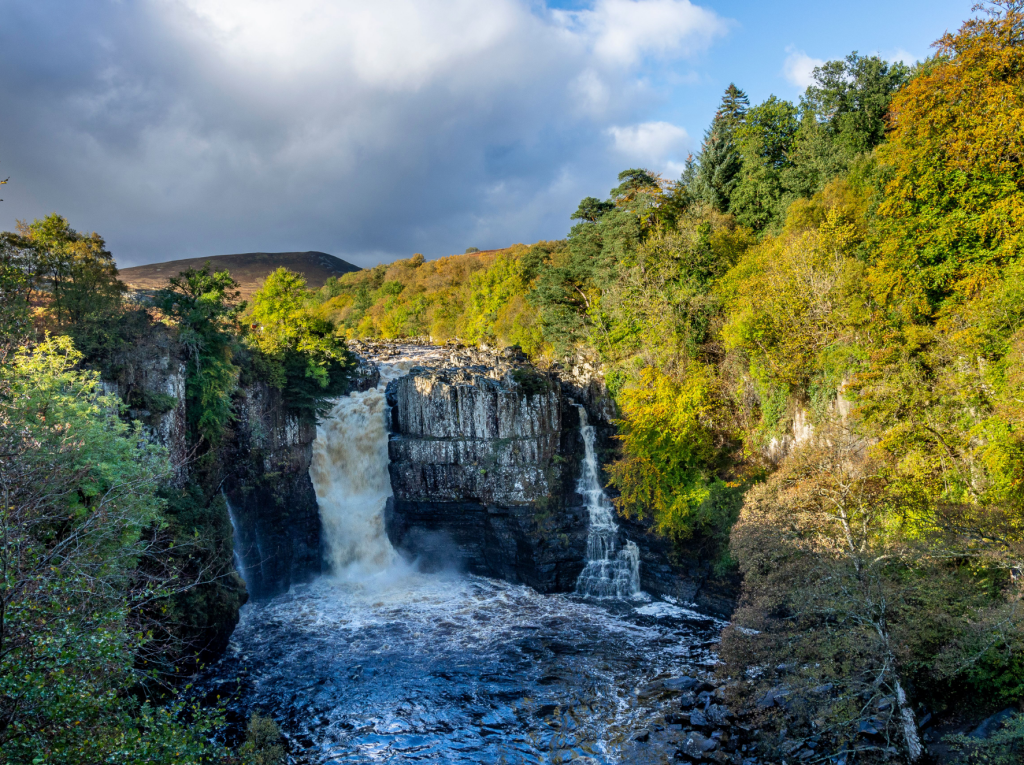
x: 77, y: 505
x: 718, y: 170
x: 851, y: 97
x: 764, y: 139
x: 203, y: 305
x: 300, y: 350
x: 732, y: 112
x: 75, y: 270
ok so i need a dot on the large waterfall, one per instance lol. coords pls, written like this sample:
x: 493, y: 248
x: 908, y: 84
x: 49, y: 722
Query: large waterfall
x: 350, y: 475
x: 610, y: 571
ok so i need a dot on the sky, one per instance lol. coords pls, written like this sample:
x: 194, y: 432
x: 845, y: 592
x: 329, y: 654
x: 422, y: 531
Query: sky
x: 376, y: 129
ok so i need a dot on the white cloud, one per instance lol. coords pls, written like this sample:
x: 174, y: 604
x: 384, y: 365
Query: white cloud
x: 624, y: 31
x: 656, y: 144
x: 798, y: 67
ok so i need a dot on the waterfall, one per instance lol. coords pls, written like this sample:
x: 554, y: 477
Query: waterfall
x: 350, y: 475
x: 236, y: 542
x: 610, y: 571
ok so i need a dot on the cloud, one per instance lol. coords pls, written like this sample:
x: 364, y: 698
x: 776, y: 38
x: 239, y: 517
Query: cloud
x: 657, y: 144
x: 192, y: 127
x: 798, y: 68
x: 623, y: 31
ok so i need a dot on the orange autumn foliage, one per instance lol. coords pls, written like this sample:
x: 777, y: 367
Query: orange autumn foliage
x: 954, y: 197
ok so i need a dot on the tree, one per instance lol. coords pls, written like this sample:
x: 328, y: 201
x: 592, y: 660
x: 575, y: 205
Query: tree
x: 732, y: 112
x: 954, y: 189
x: 77, y: 506
x: 672, y: 441
x: 718, y: 170
x: 301, y: 352
x: 764, y: 139
x: 851, y: 97
x: 203, y: 304
x: 591, y: 209
x: 76, y: 271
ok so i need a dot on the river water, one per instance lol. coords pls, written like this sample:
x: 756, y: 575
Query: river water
x: 382, y: 663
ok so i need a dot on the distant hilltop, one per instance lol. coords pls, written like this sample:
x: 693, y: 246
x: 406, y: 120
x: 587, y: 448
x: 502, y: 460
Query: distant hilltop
x: 249, y: 269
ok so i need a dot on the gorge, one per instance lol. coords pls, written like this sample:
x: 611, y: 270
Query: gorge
x: 478, y: 602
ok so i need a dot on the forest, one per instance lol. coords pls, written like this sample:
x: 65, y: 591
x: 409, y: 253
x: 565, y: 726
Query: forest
x: 815, y: 343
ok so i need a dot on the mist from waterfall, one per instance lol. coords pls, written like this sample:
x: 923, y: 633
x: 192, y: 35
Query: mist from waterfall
x: 610, y: 571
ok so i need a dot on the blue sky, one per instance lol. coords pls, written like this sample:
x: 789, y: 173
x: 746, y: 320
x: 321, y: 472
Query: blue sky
x: 183, y: 128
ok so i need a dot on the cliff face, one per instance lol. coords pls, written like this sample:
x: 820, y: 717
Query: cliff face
x: 271, y: 498
x: 485, y: 461
x: 479, y: 479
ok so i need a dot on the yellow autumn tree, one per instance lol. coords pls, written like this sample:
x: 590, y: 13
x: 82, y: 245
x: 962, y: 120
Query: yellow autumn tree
x: 954, y: 195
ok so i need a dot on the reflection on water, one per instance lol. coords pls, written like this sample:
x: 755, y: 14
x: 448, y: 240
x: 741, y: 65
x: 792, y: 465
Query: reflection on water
x: 405, y: 667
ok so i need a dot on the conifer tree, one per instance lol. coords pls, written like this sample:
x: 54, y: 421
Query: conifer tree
x: 732, y: 112
x: 718, y: 166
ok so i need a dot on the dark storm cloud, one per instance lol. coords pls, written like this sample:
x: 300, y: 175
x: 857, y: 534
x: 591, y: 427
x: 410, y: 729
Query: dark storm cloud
x: 192, y: 127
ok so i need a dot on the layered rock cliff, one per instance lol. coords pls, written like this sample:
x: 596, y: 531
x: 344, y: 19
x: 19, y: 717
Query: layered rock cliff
x: 479, y: 476
x: 271, y: 498
x: 485, y: 461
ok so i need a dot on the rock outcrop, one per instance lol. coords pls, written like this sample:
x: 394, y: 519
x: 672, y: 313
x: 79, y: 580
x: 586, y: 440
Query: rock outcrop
x: 271, y: 497
x: 485, y: 460
x: 479, y: 476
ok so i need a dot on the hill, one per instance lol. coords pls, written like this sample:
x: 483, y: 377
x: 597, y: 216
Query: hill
x: 248, y: 269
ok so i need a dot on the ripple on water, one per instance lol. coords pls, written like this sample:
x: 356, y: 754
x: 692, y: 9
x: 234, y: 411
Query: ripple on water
x: 406, y: 667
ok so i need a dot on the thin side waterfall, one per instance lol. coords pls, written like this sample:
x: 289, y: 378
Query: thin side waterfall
x: 236, y: 542
x: 350, y: 475
x: 610, y: 571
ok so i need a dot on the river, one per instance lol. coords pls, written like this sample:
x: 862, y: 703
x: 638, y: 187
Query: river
x: 382, y: 663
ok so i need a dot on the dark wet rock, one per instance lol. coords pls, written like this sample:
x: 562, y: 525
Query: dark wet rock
x: 479, y: 477
x: 870, y: 727
x: 698, y: 720
x: 683, y: 683
x: 993, y: 724
x: 271, y: 494
x: 774, y: 697
x: 366, y: 375
x: 697, y: 746
x: 716, y: 714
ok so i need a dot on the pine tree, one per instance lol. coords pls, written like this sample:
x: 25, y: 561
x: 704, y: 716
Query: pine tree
x: 732, y: 112
x: 717, y: 170
x: 719, y: 164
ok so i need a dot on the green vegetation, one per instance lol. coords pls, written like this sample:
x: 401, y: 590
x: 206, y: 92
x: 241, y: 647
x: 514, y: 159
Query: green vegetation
x: 79, y: 512
x: 297, y: 349
x: 117, y: 579
x: 853, y: 263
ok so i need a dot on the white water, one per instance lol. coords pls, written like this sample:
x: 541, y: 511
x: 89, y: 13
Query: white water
x: 236, y: 542
x: 350, y: 476
x: 610, y: 571
x: 383, y: 663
